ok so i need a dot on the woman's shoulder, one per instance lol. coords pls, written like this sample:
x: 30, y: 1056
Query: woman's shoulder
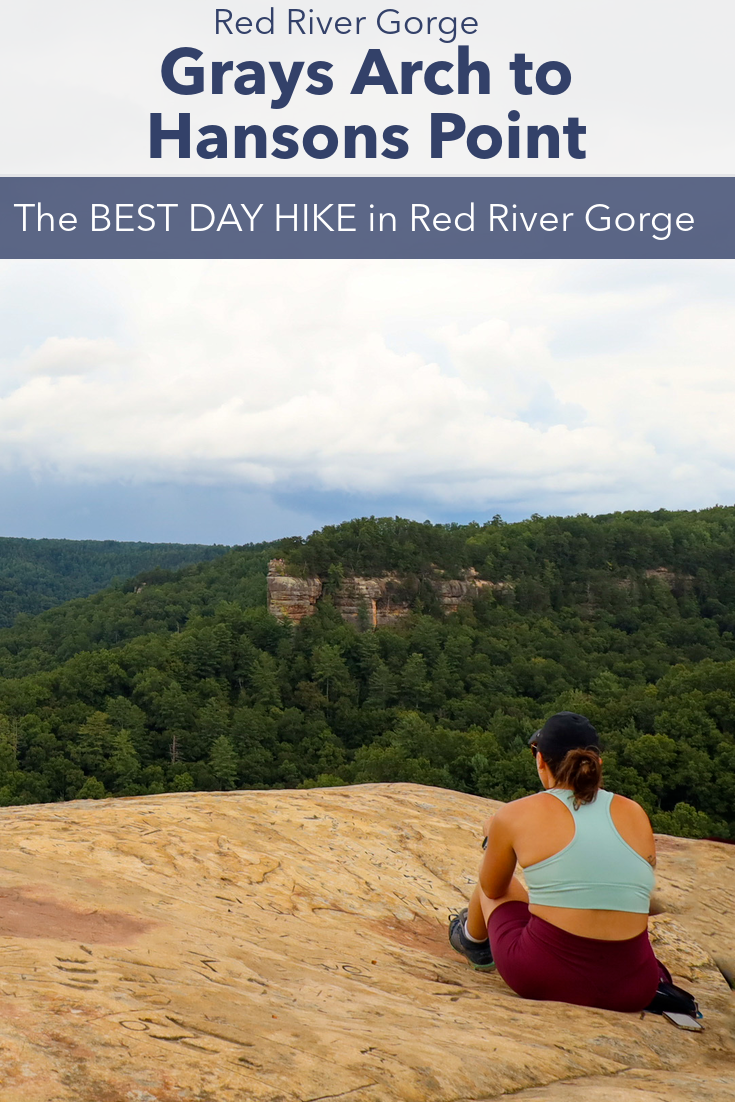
x: 624, y: 802
x: 634, y: 827
x: 624, y: 808
x: 537, y: 804
x: 537, y: 827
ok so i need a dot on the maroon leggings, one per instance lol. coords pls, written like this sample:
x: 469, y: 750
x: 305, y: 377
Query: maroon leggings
x: 540, y: 961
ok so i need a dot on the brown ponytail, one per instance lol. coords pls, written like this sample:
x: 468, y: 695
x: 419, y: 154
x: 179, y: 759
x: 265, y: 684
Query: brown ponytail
x: 580, y: 770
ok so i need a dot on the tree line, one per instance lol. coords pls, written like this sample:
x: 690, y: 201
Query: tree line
x: 181, y: 680
x: 38, y: 574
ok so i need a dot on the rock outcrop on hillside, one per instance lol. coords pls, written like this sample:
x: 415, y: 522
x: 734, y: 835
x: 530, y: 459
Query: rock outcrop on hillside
x: 291, y: 947
x: 291, y: 597
x: 380, y: 601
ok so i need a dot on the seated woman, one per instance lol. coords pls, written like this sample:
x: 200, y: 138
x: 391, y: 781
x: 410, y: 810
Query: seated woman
x: 580, y: 933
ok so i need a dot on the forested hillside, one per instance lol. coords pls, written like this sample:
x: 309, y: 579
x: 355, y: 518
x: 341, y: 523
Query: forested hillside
x: 186, y: 682
x: 38, y: 574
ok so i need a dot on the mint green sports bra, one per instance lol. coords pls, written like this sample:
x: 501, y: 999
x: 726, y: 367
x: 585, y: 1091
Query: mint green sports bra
x: 598, y: 870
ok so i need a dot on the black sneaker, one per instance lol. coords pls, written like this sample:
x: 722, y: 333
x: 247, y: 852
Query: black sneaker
x: 478, y: 953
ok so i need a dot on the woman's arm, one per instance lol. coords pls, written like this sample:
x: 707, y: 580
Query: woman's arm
x: 499, y: 862
x: 634, y: 826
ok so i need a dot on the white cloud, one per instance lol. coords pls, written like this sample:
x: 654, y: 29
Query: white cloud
x: 70, y: 356
x: 553, y: 386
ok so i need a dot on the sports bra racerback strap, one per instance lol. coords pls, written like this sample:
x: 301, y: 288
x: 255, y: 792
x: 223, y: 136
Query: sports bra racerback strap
x: 597, y: 870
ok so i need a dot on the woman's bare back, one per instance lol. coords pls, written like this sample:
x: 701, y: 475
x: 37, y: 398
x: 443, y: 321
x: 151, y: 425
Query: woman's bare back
x: 540, y: 826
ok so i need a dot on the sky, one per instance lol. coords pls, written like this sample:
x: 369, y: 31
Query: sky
x: 234, y: 401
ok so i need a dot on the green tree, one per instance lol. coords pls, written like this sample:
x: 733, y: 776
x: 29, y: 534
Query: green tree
x: 95, y: 744
x: 183, y: 782
x: 324, y: 780
x: 330, y: 671
x: 124, y: 765
x: 322, y: 752
x: 64, y: 779
x: 335, y: 578
x: 214, y: 719
x: 8, y: 750
x: 379, y: 764
x: 223, y: 761
x: 263, y: 678
x: 443, y: 681
x: 363, y: 617
x: 686, y: 822
x: 92, y: 789
x: 381, y: 686
x: 652, y: 754
x: 414, y: 680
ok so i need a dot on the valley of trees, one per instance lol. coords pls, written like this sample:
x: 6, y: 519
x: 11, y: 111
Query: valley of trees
x: 38, y: 574
x: 180, y: 680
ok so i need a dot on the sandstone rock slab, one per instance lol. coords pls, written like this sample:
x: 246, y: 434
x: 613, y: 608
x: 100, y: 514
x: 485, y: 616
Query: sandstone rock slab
x: 291, y: 947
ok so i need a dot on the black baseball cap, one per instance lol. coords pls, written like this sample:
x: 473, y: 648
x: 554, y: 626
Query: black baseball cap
x: 563, y: 732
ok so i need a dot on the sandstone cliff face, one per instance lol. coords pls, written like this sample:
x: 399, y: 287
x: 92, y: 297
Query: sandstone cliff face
x: 291, y: 947
x: 457, y: 591
x: 374, y: 597
x: 290, y: 597
x: 381, y: 601
x: 378, y: 601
